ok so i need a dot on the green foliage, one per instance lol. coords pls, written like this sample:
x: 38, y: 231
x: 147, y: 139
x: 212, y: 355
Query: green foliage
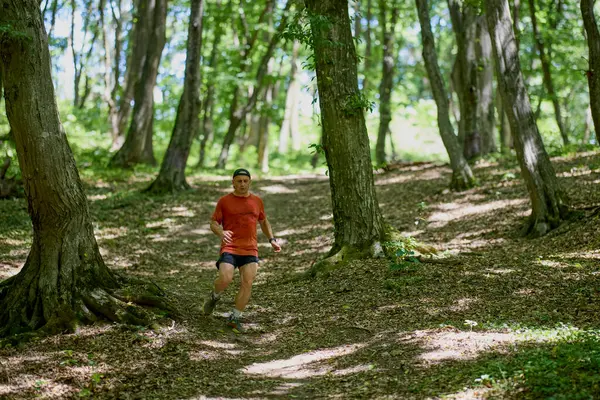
x: 8, y: 34
x: 356, y: 103
x: 566, y: 369
x: 401, y: 253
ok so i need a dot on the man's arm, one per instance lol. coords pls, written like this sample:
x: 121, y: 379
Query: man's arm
x: 265, y: 226
x: 226, y: 236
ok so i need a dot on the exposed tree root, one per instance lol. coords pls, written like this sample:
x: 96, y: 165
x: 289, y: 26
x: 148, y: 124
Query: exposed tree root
x: 88, y: 305
x: 461, y: 181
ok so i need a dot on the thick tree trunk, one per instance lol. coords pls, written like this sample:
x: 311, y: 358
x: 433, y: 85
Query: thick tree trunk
x: 237, y: 114
x: 505, y: 135
x: 289, y: 126
x: 387, y: 79
x: 64, y: 280
x: 547, y: 198
x: 137, y: 54
x: 545, y: 58
x: 171, y: 177
x: 138, y: 143
x: 462, y: 177
x: 593, y: 73
x: 465, y: 29
x: 486, y: 122
x: 357, y: 218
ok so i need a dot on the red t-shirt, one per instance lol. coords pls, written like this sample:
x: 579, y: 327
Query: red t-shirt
x: 240, y: 215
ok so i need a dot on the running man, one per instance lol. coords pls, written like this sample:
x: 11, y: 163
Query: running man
x: 234, y: 222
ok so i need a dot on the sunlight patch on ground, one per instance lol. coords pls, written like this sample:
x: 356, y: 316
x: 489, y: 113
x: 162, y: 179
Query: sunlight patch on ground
x: 18, y: 253
x: 12, y: 242
x: 181, y: 211
x: 463, y: 304
x: 277, y: 189
x: 96, y: 197
x: 288, y: 232
x: 204, y: 230
x: 45, y: 388
x: 202, y: 355
x: 452, y: 211
x: 591, y: 255
x: 303, y: 365
x: 111, y: 233
x: 500, y: 271
x: 467, y: 394
x: 326, y: 217
x: 284, y: 388
x: 457, y: 345
x: 218, y: 345
x: 553, y: 264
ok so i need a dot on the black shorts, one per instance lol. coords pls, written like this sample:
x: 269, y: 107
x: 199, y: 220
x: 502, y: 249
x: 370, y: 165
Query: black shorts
x: 235, y: 260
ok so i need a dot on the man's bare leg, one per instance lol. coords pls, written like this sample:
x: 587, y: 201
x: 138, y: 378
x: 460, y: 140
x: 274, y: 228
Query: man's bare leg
x: 247, y: 275
x: 225, y: 277
x: 223, y: 280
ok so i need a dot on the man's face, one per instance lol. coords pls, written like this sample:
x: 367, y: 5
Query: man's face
x: 241, y: 184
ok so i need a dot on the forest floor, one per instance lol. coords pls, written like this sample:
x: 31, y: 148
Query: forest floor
x: 495, y: 316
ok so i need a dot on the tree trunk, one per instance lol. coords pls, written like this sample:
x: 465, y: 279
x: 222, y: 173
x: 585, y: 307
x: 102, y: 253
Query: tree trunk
x: 516, y: 15
x: 237, y: 114
x: 593, y: 73
x: 207, y: 132
x: 358, y: 222
x: 110, y: 79
x: 138, y: 143
x: 368, y: 49
x: 462, y: 177
x: 387, y: 79
x: 54, y: 10
x: 505, y: 135
x: 548, y: 200
x: 465, y: 29
x: 137, y: 53
x: 64, y: 280
x: 587, y: 130
x: 546, y: 60
x: 486, y: 122
x: 171, y: 177
x: 291, y: 106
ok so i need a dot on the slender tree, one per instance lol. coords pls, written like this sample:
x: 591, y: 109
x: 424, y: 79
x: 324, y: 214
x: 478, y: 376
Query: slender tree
x: 485, y: 121
x: 64, y: 280
x: 208, y: 108
x: 387, y: 77
x: 462, y: 177
x: 593, y: 73
x: 357, y: 218
x: 138, y: 142
x: 171, y: 177
x: 547, y: 199
x: 289, y: 126
x: 238, y: 112
x: 546, y: 61
x: 137, y: 50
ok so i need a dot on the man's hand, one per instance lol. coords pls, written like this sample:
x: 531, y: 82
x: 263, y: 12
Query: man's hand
x: 227, y: 237
x: 276, y: 246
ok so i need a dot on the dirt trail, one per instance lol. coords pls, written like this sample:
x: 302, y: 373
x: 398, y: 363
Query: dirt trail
x: 365, y: 332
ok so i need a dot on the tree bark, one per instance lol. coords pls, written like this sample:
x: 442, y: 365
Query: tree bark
x: 137, y: 53
x: 237, y: 113
x: 368, y: 49
x: 387, y: 78
x: 209, y: 99
x: 546, y: 59
x: 485, y: 120
x: 462, y: 177
x: 64, y: 280
x: 289, y: 126
x: 357, y: 218
x: 593, y: 73
x: 138, y: 143
x: 111, y: 79
x: 547, y: 199
x: 464, y: 27
x: 171, y: 177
